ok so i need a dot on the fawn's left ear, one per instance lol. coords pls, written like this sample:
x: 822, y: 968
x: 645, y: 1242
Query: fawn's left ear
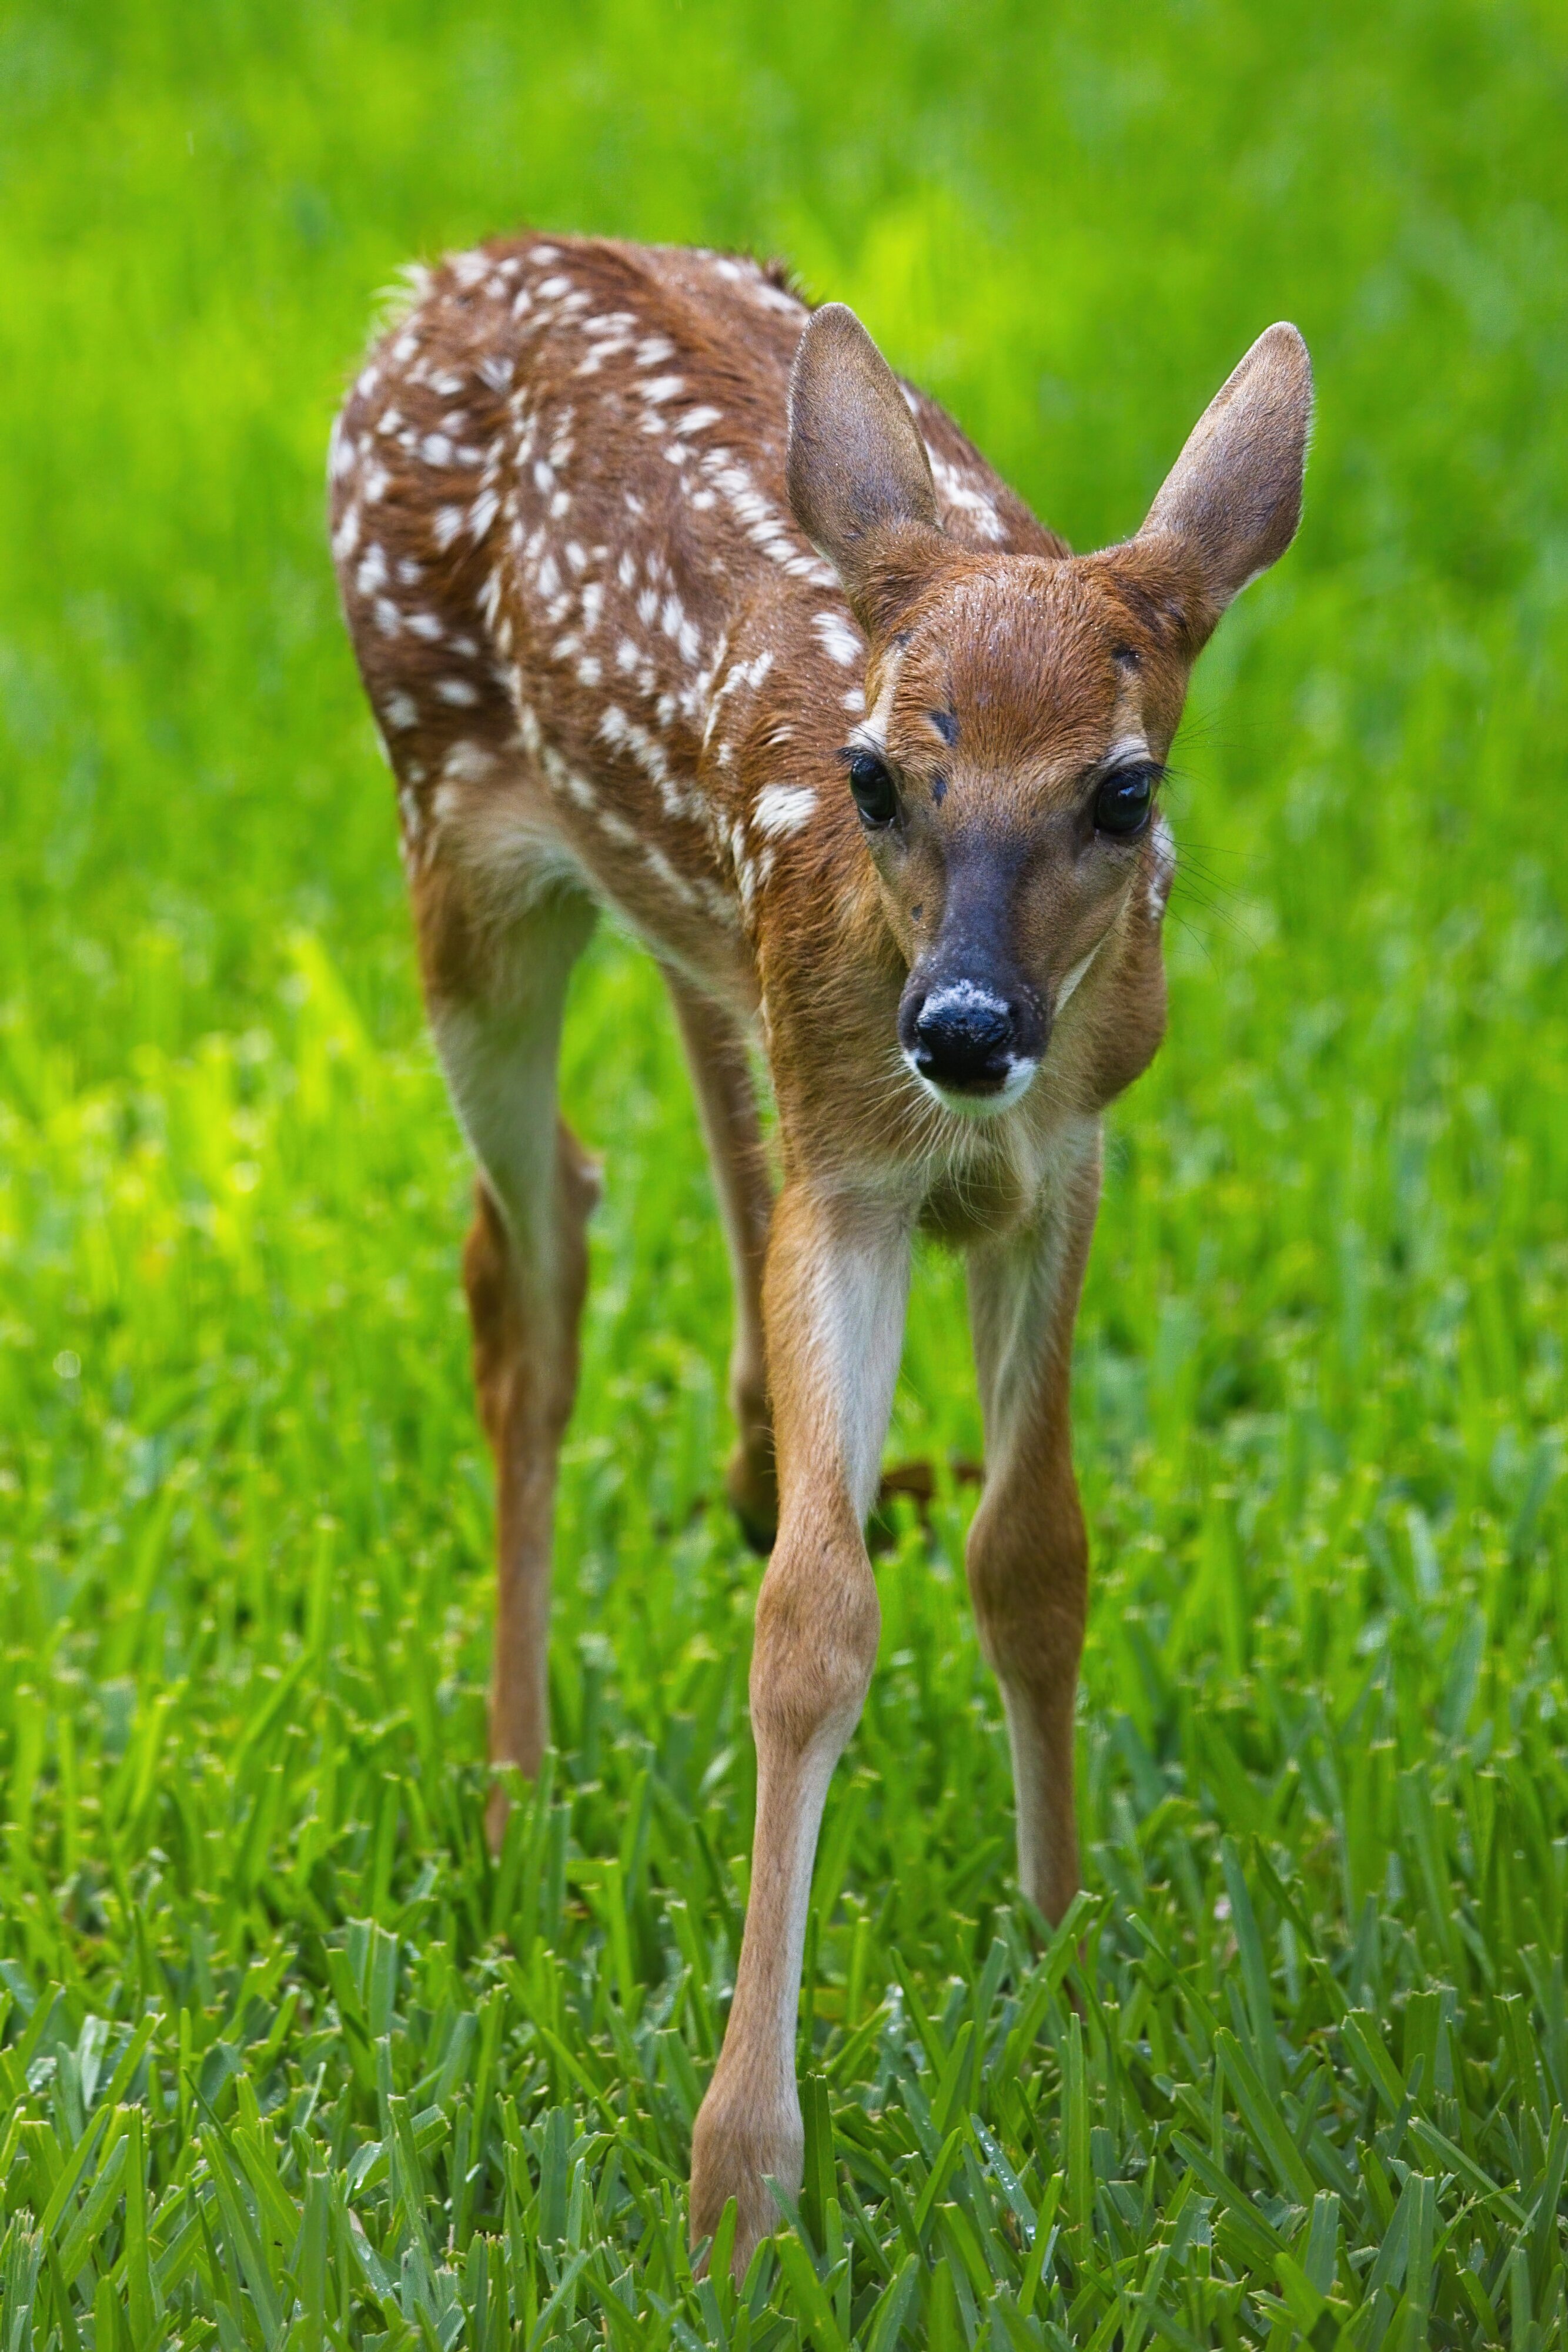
x: 860, y: 479
x: 1233, y: 498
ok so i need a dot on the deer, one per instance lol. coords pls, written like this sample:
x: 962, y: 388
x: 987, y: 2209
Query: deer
x: 671, y: 599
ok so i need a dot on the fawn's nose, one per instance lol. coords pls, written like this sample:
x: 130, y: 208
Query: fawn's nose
x: 964, y: 1036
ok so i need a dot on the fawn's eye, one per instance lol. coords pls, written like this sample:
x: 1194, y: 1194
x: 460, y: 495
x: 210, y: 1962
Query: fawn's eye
x: 872, y: 787
x: 1122, y: 802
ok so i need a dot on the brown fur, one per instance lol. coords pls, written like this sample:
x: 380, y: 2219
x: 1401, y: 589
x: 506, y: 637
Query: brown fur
x: 634, y: 550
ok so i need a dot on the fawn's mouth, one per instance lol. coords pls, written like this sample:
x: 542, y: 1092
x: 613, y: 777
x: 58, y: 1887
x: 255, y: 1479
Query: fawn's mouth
x: 984, y: 1094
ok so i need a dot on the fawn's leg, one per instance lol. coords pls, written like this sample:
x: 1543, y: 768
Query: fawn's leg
x: 1027, y: 1556
x: 726, y: 1103
x: 525, y: 1269
x: 836, y: 1285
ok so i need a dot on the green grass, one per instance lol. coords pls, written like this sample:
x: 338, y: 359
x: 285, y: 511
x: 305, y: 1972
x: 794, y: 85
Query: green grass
x: 286, y: 2058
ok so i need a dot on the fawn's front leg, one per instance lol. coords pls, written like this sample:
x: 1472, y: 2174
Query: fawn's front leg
x: 837, y: 1282
x: 1027, y: 1557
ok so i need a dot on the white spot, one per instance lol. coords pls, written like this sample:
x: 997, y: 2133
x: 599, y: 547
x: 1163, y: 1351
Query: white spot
x: 602, y: 351
x: 458, y: 691
x: 425, y: 626
x: 623, y: 734
x: 838, y: 640
x: 660, y: 865
x: 402, y: 712
x: 448, y: 522
x: 372, y: 572
x: 612, y: 822
x: 773, y: 297
x: 969, y: 498
x: 437, y: 449
x: 782, y: 809
x: 1165, y: 865
x: 467, y: 764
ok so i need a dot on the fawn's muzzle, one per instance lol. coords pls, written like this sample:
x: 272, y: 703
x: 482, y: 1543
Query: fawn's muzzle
x: 968, y: 1037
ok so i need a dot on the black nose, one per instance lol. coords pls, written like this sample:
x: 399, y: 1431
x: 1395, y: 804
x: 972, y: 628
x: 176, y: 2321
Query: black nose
x: 963, y: 1037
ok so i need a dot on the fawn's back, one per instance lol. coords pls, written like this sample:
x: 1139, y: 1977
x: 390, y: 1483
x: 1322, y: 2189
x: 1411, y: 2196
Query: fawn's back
x: 596, y: 641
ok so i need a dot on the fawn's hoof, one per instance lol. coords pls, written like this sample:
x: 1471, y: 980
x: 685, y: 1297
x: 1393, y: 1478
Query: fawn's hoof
x: 735, y: 2151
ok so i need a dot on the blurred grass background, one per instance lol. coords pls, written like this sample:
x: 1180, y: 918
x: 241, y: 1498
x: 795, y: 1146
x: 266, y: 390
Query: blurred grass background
x: 243, y: 1517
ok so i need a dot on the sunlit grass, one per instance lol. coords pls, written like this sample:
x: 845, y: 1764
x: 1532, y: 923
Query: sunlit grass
x: 287, y: 2058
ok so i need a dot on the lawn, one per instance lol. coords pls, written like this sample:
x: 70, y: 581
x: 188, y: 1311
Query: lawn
x: 287, y: 2059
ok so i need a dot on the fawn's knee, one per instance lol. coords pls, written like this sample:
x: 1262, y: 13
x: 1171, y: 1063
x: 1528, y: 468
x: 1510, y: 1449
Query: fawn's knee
x: 818, y: 1625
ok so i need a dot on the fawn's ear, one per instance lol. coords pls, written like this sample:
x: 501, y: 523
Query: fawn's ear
x: 858, y: 472
x: 1233, y: 498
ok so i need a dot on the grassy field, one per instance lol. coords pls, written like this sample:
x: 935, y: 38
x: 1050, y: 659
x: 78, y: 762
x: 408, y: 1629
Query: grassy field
x: 285, y: 2059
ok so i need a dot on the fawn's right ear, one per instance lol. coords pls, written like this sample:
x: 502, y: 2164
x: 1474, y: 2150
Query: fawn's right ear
x: 860, y: 479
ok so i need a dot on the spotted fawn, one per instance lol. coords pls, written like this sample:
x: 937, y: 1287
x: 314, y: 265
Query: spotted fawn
x: 669, y: 596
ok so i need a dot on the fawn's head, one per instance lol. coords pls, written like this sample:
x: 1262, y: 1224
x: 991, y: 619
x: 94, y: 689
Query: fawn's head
x: 1020, y: 708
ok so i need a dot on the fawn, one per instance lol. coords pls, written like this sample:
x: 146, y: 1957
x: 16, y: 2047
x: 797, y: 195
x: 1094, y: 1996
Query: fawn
x: 668, y: 596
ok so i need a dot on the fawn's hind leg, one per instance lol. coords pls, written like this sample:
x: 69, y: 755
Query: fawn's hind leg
x: 726, y: 1103
x: 1027, y: 1556
x: 525, y: 1269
